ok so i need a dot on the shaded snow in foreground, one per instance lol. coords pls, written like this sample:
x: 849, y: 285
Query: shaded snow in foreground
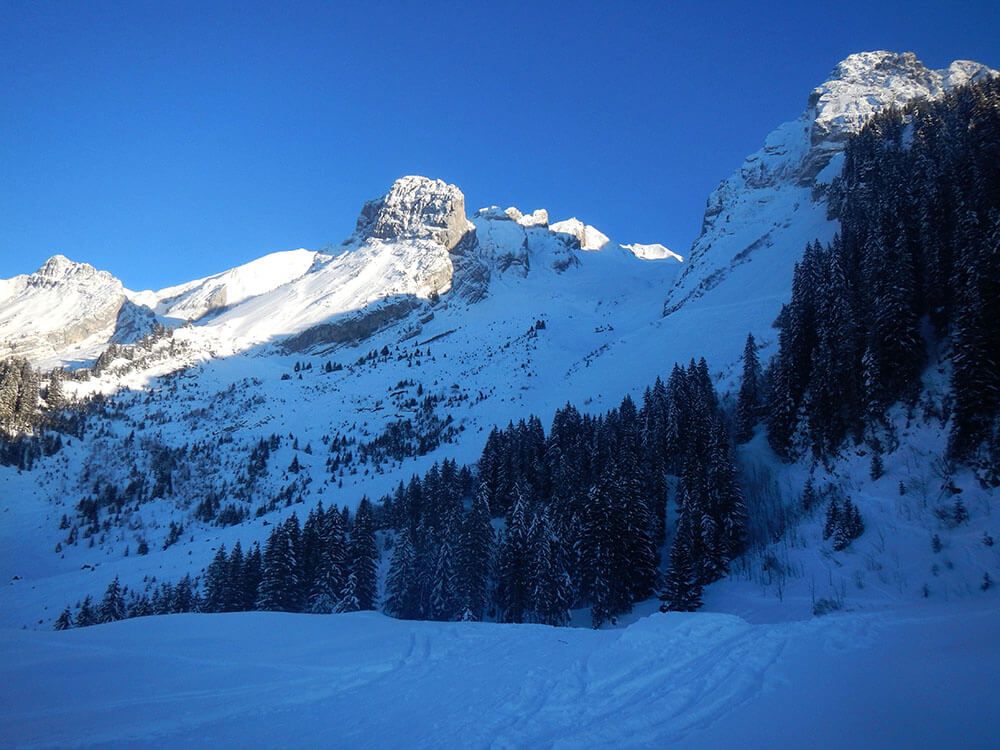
x: 920, y: 677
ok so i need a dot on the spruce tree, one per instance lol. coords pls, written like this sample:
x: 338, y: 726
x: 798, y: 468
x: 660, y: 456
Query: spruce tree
x: 364, y: 555
x: 216, y: 582
x: 551, y: 593
x: 402, y: 599
x: 112, y: 606
x: 444, y: 600
x: 682, y: 589
x: 514, y: 574
x: 278, y: 584
x: 86, y: 615
x: 748, y: 400
x: 64, y: 621
x: 475, y: 553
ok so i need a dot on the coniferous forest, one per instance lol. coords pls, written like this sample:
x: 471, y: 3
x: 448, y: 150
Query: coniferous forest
x: 607, y: 510
x: 915, y: 266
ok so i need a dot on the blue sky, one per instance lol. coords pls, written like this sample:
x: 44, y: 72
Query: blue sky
x: 166, y: 141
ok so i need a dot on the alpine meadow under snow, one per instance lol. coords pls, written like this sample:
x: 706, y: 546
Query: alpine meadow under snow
x: 479, y: 479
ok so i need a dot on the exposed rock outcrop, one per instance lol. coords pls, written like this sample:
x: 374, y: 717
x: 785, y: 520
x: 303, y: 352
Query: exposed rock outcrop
x: 416, y: 208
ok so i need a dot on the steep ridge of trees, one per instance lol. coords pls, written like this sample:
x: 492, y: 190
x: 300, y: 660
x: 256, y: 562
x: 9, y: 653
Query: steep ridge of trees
x: 916, y: 263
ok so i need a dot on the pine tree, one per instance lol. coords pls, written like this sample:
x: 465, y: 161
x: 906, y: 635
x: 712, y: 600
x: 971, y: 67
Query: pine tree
x: 279, y: 583
x: 112, y: 606
x: 64, y: 621
x: 349, y: 600
x: 233, y: 578
x: 976, y: 359
x: 86, y: 616
x: 55, y: 397
x: 682, y: 590
x: 402, y: 599
x: 444, y: 602
x: 959, y: 514
x: 475, y: 553
x: 551, y: 592
x: 363, y: 555
x: 877, y: 465
x: 216, y: 582
x: 185, y: 597
x: 727, y: 533
x: 329, y: 574
x: 833, y: 518
x: 253, y: 572
x: 809, y: 496
x: 514, y: 575
x: 748, y: 401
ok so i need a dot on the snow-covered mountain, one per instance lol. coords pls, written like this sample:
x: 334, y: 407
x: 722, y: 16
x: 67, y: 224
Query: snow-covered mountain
x: 416, y: 245
x: 758, y: 221
x: 65, y: 311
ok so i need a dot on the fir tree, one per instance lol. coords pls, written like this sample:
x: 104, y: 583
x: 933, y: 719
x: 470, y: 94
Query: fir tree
x: 402, y: 600
x: 748, y: 401
x: 475, y: 553
x: 112, y: 606
x: 86, y: 615
x: 364, y: 555
x: 64, y: 621
x: 682, y: 590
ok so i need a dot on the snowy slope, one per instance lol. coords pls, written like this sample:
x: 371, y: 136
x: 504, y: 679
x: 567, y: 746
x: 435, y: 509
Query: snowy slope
x: 194, y: 299
x: 918, y: 678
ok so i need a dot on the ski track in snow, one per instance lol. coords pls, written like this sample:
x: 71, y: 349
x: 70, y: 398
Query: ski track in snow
x: 364, y: 680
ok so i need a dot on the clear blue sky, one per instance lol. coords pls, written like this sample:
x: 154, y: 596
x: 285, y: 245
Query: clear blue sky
x: 165, y: 141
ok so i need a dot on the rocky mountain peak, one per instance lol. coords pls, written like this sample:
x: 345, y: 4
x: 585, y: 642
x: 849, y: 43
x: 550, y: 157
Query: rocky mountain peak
x: 865, y: 83
x: 782, y: 185
x: 61, y: 270
x: 416, y: 208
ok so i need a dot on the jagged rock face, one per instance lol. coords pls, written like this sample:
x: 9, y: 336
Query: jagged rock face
x: 782, y: 185
x: 58, y: 306
x: 411, y: 246
x: 510, y: 241
x: 590, y: 238
x: 866, y: 83
x: 132, y: 323
x: 416, y: 208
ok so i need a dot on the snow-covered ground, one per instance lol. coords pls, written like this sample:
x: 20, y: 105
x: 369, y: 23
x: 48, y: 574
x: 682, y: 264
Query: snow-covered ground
x: 919, y: 677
